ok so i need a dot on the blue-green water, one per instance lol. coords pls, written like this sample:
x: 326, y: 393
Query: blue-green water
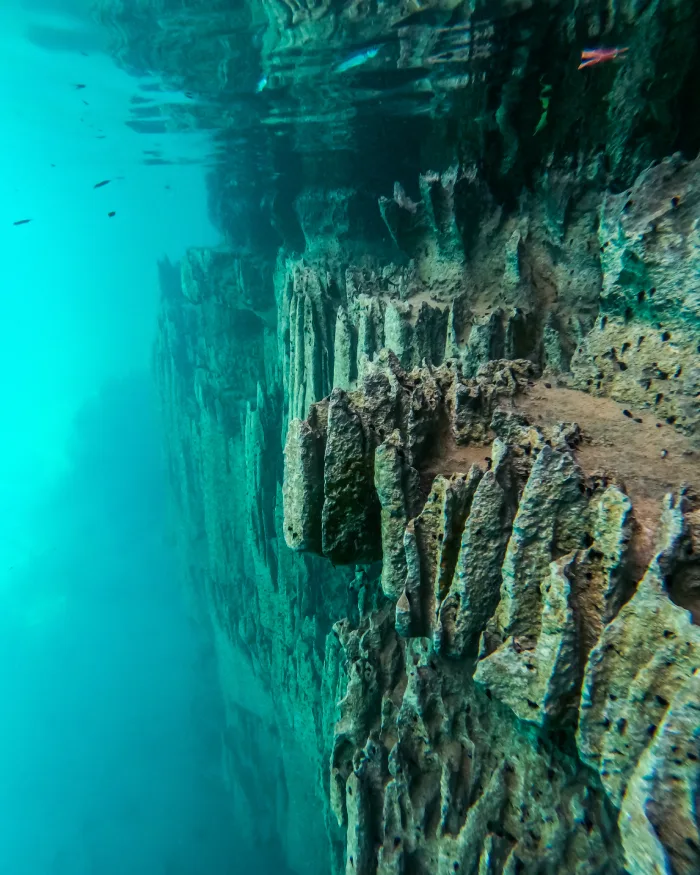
x: 110, y: 720
x: 110, y: 716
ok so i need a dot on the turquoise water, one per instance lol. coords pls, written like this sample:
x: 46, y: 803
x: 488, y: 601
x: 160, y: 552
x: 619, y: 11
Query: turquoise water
x: 110, y: 726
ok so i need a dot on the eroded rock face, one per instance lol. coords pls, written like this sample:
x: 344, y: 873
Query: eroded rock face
x: 508, y: 638
x: 468, y: 661
x: 454, y: 631
x: 644, y: 346
x: 495, y: 669
x: 266, y: 610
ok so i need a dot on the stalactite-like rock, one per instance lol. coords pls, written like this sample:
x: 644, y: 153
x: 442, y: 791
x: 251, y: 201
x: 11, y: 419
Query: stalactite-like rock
x: 473, y: 591
x: 396, y: 483
x: 658, y: 816
x: 306, y: 338
x: 508, y: 594
x: 530, y: 642
x: 303, y: 487
x: 351, y: 509
x: 643, y: 657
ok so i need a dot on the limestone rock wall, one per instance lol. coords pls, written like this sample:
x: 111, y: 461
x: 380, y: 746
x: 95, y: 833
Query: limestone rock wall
x: 526, y: 583
x: 432, y: 416
x: 601, y: 304
x: 510, y: 679
x: 220, y: 384
x: 460, y: 685
x: 644, y: 346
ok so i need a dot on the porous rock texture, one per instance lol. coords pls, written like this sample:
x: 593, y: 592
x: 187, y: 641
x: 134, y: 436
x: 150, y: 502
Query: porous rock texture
x: 513, y: 586
x: 432, y: 413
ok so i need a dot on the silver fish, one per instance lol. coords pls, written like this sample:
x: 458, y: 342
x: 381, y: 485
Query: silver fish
x: 358, y: 59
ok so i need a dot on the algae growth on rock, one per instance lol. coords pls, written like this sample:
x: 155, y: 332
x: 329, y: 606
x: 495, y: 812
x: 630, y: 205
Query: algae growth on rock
x: 433, y: 423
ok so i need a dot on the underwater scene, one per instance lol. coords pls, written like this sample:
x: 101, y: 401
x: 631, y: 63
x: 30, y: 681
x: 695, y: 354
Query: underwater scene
x: 350, y: 460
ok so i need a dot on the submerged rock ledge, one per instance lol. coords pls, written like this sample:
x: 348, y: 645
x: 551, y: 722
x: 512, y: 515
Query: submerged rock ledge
x: 513, y: 582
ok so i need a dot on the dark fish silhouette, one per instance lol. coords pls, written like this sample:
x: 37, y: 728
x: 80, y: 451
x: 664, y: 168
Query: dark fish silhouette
x: 112, y: 213
x: 100, y: 184
x: 22, y: 222
x: 79, y: 86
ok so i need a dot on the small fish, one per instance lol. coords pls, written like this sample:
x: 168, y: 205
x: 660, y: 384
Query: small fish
x: 261, y: 85
x: 100, y: 184
x: 112, y: 213
x: 358, y: 59
x: 22, y: 222
x: 79, y: 86
x: 590, y: 57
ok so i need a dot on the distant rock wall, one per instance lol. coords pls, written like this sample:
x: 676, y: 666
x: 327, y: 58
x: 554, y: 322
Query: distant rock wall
x: 219, y: 377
